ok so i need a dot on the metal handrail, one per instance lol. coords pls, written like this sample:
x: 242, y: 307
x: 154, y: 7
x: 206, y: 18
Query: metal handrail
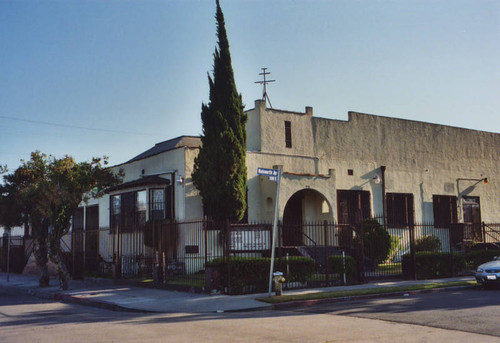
x: 315, y: 247
x: 490, y: 235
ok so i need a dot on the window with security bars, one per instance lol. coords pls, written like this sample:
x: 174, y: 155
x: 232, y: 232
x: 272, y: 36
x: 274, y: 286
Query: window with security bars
x: 131, y: 210
x: 445, y: 210
x: 399, y: 209
x: 157, y: 205
x: 128, y: 210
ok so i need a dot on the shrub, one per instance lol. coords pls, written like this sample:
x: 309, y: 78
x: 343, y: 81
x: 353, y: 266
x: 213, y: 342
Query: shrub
x: 336, y: 266
x: 300, y: 268
x: 475, y: 258
x: 428, y: 243
x: 431, y: 265
x: 376, y: 241
x: 252, y: 273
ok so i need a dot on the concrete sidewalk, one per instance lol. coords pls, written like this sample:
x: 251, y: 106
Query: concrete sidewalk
x: 129, y: 297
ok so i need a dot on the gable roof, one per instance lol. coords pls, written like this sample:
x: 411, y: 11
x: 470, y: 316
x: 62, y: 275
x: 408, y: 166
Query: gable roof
x: 171, y: 144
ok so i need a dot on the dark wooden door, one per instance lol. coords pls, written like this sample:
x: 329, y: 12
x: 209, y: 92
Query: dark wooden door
x: 77, y: 247
x: 472, y: 217
x: 292, y: 221
x: 92, y: 239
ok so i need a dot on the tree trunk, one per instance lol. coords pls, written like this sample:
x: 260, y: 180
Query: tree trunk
x: 41, y: 261
x: 56, y: 256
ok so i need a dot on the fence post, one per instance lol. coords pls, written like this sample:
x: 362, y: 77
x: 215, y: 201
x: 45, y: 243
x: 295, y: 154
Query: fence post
x: 483, y: 226
x: 451, y: 251
x: 227, y: 231
x: 413, y: 269
x: 164, y: 268
x: 84, y: 243
x: 206, y: 239
x: 362, y: 260
x: 325, y: 227
x: 8, y: 253
x: 279, y: 229
x: 73, y: 244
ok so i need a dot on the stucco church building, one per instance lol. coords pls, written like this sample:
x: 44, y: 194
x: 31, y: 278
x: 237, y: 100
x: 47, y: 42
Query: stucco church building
x: 332, y: 170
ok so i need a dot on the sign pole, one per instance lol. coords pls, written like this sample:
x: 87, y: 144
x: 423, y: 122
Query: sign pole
x: 8, y: 254
x: 275, y: 224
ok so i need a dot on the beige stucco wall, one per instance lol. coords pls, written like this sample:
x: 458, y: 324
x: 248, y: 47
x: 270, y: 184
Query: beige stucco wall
x: 178, y: 163
x: 193, y: 208
x: 420, y: 158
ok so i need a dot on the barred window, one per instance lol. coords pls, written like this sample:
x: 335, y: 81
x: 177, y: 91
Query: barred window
x: 157, y: 204
x: 115, y: 209
x: 445, y: 210
x: 399, y: 209
x: 140, y: 208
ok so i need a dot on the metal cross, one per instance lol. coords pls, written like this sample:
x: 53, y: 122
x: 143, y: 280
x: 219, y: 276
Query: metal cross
x: 265, y: 82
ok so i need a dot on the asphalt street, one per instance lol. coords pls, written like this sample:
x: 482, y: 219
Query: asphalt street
x: 26, y: 318
x: 470, y: 310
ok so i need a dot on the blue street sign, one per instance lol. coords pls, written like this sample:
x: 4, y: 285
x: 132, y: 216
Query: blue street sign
x: 273, y: 175
x: 268, y: 172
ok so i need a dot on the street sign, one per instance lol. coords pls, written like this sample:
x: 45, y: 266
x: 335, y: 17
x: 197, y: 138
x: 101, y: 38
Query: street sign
x: 272, y: 174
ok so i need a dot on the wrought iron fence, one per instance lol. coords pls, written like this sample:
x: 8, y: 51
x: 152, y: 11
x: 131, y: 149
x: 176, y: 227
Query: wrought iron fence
x: 178, y: 253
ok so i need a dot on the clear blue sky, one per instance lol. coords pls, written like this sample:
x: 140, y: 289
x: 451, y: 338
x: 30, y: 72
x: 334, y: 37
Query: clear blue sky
x: 118, y: 76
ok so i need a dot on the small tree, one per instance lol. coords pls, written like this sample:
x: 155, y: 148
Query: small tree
x: 50, y: 190
x: 27, y: 187
x: 220, y: 170
x: 71, y: 183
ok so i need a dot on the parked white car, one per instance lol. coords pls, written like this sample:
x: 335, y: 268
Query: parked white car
x: 489, y: 273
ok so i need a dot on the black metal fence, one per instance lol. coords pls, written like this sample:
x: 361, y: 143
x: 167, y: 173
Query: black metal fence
x: 16, y: 255
x: 173, y: 253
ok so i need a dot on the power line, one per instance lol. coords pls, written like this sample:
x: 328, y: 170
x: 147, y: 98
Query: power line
x: 79, y: 127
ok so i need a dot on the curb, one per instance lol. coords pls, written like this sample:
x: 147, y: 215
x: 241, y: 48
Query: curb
x: 96, y: 303
x: 66, y: 298
x: 313, y: 302
x: 75, y: 299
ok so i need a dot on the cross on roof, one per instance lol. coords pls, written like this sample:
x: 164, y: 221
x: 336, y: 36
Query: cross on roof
x: 265, y: 82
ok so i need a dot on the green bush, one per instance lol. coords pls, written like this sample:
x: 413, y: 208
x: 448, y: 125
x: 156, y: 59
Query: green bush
x: 336, y: 266
x: 300, y: 268
x: 428, y: 243
x: 475, y: 258
x: 430, y: 265
x: 376, y: 241
x: 252, y: 273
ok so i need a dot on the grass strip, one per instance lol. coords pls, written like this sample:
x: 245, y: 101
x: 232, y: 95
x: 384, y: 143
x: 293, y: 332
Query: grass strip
x: 361, y: 292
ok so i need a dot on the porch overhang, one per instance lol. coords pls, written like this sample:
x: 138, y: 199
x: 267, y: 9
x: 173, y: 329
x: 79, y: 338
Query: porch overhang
x: 142, y: 182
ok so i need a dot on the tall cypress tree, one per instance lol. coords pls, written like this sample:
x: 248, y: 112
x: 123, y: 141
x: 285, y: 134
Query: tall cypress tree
x: 220, y: 172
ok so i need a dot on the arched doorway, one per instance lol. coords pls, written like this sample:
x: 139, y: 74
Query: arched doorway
x: 305, y: 205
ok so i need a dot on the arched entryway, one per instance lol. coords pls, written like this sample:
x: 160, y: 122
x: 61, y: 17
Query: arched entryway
x: 306, y: 205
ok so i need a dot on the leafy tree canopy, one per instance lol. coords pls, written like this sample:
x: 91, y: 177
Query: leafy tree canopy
x: 46, y: 191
